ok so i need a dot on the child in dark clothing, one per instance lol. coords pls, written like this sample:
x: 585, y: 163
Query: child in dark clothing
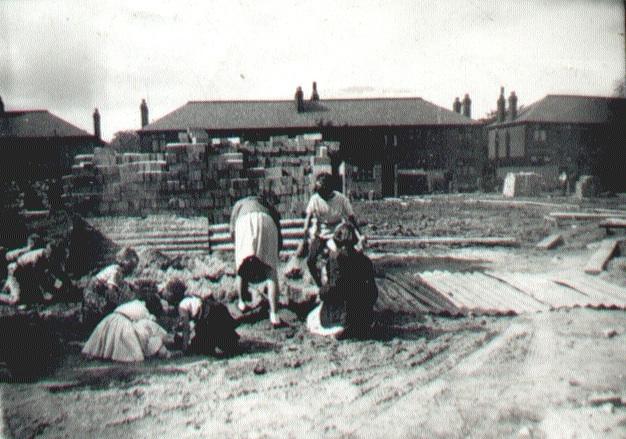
x: 349, y: 293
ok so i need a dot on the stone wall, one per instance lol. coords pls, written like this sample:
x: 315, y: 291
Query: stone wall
x: 193, y: 178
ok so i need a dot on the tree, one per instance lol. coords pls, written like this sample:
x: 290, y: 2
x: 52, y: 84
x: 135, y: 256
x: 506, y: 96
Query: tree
x: 125, y: 141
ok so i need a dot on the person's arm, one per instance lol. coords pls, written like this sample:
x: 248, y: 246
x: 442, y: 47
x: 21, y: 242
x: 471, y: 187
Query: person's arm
x: 328, y: 289
x: 10, y: 293
x: 233, y: 218
x: 276, y: 218
x: 303, y: 247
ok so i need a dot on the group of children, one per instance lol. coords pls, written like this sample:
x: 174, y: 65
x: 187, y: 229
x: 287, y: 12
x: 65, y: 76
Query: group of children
x: 338, y: 266
x: 129, y: 331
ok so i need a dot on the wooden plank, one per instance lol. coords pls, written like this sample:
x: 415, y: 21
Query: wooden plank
x: 284, y: 223
x: 601, y: 257
x: 156, y: 235
x: 582, y: 215
x: 550, y: 242
x: 522, y: 203
x: 442, y: 240
x: 618, y: 223
x: 286, y: 234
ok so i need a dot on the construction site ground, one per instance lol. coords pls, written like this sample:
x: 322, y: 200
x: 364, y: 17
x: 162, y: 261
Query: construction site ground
x: 558, y: 373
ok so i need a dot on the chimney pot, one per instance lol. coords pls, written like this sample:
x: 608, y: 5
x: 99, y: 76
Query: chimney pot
x: 501, y: 111
x: 144, y: 113
x: 512, y: 106
x: 467, y: 106
x: 299, y: 97
x: 314, y: 94
x: 456, y: 105
x: 96, y: 124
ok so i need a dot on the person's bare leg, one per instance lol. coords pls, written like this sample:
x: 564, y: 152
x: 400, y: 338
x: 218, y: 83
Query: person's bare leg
x: 272, y: 297
x: 242, y: 285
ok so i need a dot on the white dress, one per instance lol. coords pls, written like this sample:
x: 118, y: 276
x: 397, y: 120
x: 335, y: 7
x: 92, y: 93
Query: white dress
x: 128, y: 334
x: 256, y: 235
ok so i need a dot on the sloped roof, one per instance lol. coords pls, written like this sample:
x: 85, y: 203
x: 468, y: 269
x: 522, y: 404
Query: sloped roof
x: 37, y: 123
x: 233, y: 115
x: 573, y: 109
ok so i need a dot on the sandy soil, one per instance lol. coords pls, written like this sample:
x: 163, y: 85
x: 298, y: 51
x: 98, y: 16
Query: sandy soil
x: 556, y: 374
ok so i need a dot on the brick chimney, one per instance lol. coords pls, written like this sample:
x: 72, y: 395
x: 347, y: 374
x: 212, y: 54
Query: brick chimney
x: 512, y: 106
x: 144, y: 113
x: 299, y: 97
x: 314, y: 94
x: 467, y: 106
x: 96, y: 124
x: 456, y: 106
x: 1, y: 106
x: 501, y: 112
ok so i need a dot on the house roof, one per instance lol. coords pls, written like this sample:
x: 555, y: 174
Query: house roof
x: 572, y: 109
x: 37, y: 123
x: 234, y: 115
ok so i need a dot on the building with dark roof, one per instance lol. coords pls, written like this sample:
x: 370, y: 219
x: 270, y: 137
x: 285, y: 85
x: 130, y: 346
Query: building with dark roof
x: 575, y: 135
x: 389, y: 134
x: 37, y: 144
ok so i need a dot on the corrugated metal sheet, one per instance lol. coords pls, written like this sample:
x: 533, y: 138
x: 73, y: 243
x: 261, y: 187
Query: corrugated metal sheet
x: 506, y: 292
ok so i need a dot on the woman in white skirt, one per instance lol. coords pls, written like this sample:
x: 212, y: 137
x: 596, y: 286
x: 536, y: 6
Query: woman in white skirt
x: 255, y: 228
x: 129, y: 334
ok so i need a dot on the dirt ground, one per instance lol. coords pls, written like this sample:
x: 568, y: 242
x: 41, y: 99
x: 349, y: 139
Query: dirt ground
x: 557, y: 374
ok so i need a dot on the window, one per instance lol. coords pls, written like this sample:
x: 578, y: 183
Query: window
x: 497, y: 144
x: 363, y: 173
x: 540, y: 135
x: 507, y: 142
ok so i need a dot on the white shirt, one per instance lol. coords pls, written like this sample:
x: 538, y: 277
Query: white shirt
x: 329, y: 213
x: 190, y: 306
x: 111, y: 275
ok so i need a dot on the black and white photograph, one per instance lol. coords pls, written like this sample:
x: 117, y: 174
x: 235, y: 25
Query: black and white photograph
x: 313, y: 219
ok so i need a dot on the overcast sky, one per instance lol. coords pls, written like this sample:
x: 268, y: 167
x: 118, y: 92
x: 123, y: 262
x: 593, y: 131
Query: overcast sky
x: 69, y: 56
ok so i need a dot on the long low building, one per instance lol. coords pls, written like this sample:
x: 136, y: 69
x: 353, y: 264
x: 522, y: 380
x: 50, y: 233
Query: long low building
x: 379, y: 137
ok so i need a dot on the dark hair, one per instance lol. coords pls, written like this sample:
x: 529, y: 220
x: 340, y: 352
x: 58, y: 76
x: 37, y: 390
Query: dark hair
x: 324, y: 184
x: 174, y: 290
x: 153, y: 303
x: 268, y: 198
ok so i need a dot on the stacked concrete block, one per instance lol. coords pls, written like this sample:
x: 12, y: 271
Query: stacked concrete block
x: 194, y: 178
x: 587, y: 186
x: 522, y: 184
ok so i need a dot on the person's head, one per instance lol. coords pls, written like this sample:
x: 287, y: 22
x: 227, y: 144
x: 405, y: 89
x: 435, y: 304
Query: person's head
x: 345, y: 236
x: 154, y: 306
x: 174, y: 291
x: 34, y: 241
x: 268, y: 197
x: 128, y: 259
x: 324, y: 185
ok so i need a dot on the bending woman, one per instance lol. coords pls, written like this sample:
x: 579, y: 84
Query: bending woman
x: 129, y: 334
x: 255, y: 228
